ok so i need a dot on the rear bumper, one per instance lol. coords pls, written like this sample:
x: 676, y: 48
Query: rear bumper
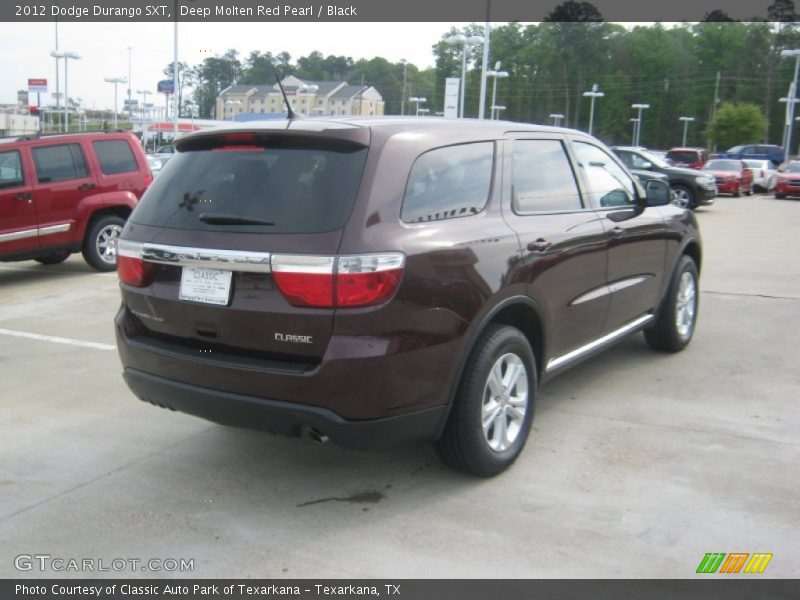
x: 284, y: 418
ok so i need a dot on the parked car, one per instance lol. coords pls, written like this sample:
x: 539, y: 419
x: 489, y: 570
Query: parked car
x: 375, y: 280
x: 61, y: 194
x: 756, y: 152
x: 764, y: 174
x: 692, y: 188
x: 691, y: 158
x: 788, y: 181
x: 731, y: 176
x: 645, y: 176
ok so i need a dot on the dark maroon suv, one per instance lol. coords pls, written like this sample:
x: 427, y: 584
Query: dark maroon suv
x: 374, y: 280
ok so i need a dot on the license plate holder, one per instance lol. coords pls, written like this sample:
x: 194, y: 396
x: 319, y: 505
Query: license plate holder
x: 206, y: 286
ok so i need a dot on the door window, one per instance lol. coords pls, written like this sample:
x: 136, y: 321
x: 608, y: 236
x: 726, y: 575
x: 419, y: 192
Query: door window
x: 543, y: 179
x: 609, y: 185
x: 59, y: 163
x: 10, y: 170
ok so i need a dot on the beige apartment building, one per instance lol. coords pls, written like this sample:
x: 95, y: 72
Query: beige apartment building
x: 309, y: 98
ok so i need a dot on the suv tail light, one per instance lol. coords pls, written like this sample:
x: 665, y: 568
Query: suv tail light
x: 131, y: 269
x: 337, y: 282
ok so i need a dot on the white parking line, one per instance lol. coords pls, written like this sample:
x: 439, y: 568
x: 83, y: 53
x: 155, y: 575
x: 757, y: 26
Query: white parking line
x: 56, y: 340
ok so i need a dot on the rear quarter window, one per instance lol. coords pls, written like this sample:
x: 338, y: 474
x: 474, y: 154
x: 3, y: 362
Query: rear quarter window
x: 115, y: 156
x: 448, y: 183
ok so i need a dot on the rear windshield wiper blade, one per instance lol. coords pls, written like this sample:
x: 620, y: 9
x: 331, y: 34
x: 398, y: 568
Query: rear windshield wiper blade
x: 225, y: 219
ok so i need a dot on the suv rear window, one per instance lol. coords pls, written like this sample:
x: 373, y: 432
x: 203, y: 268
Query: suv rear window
x: 115, y: 156
x: 683, y: 157
x: 59, y: 163
x: 277, y: 189
x: 449, y: 182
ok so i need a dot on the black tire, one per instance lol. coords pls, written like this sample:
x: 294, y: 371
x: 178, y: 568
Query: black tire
x: 780, y: 196
x: 99, y: 245
x: 666, y: 334
x: 53, y: 259
x: 749, y: 191
x: 465, y: 445
x: 737, y: 193
x: 684, y: 196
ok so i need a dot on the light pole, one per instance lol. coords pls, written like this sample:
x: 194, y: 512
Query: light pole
x: 403, y: 97
x: 130, y: 106
x: 494, y: 74
x: 790, y: 104
x: 417, y: 101
x: 686, y: 121
x: 635, y: 122
x: 556, y: 119
x: 465, y: 41
x: 487, y: 37
x: 640, y: 108
x: 115, y: 81
x: 593, y: 95
x: 144, y: 94
x: 66, y: 56
x: 496, y: 108
x: 232, y: 103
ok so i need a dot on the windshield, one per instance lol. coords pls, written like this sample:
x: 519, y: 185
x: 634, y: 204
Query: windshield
x: 793, y: 167
x: 756, y: 164
x: 255, y: 189
x: 734, y: 150
x: 723, y: 165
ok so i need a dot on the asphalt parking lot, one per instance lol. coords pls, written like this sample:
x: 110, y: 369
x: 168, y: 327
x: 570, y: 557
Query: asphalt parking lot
x: 640, y: 463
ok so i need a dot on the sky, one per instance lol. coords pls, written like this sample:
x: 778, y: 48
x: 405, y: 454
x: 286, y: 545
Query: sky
x: 25, y: 50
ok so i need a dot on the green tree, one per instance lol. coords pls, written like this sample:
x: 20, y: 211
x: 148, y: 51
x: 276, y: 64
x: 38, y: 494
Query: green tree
x: 733, y: 123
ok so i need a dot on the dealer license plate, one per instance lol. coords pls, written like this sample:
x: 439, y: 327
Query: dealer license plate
x: 210, y: 286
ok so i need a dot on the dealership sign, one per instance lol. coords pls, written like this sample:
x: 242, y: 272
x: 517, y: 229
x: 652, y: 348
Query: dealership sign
x: 451, y: 97
x: 166, y: 86
x: 37, y: 86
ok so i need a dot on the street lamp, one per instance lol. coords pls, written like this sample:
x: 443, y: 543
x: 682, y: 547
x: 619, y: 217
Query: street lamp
x: 593, y: 94
x: 66, y: 56
x: 465, y: 41
x: 496, y: 108
x: 232, y: 103
x: 640, y: 108
x: 494, y: 74
x: 144, y: 94
x: 556, y: 119
x: 635, y: 122
x: 686, y: 121
x: 130, y: 106
x: 115, y: 81
x: 790, y: 105
x: 417, y: 101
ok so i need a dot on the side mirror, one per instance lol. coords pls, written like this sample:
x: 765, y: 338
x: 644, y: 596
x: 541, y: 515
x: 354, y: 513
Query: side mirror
x: 658, y: 193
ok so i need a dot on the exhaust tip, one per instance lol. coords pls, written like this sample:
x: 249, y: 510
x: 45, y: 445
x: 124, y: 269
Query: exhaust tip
x: 317, y: 436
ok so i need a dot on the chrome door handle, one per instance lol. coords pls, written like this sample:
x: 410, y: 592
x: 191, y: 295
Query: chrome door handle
x: 540, y: 245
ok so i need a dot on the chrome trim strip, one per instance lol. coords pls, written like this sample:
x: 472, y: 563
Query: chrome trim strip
x: 18, y: 235
x: 625, y: 283
x: 594, y: 294
x: 50, y: 229
x: 29, y: 233
x: 609, y: 337
x: 604, y: 290
x: 209, y: 258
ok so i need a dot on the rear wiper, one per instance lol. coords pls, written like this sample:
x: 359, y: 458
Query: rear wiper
x: 225, y: 219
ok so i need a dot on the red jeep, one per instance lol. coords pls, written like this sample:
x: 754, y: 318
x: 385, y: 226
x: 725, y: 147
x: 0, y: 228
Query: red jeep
x: 61, y: 194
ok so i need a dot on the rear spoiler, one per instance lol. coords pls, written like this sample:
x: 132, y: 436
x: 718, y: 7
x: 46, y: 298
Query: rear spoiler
x: 307, y: 130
